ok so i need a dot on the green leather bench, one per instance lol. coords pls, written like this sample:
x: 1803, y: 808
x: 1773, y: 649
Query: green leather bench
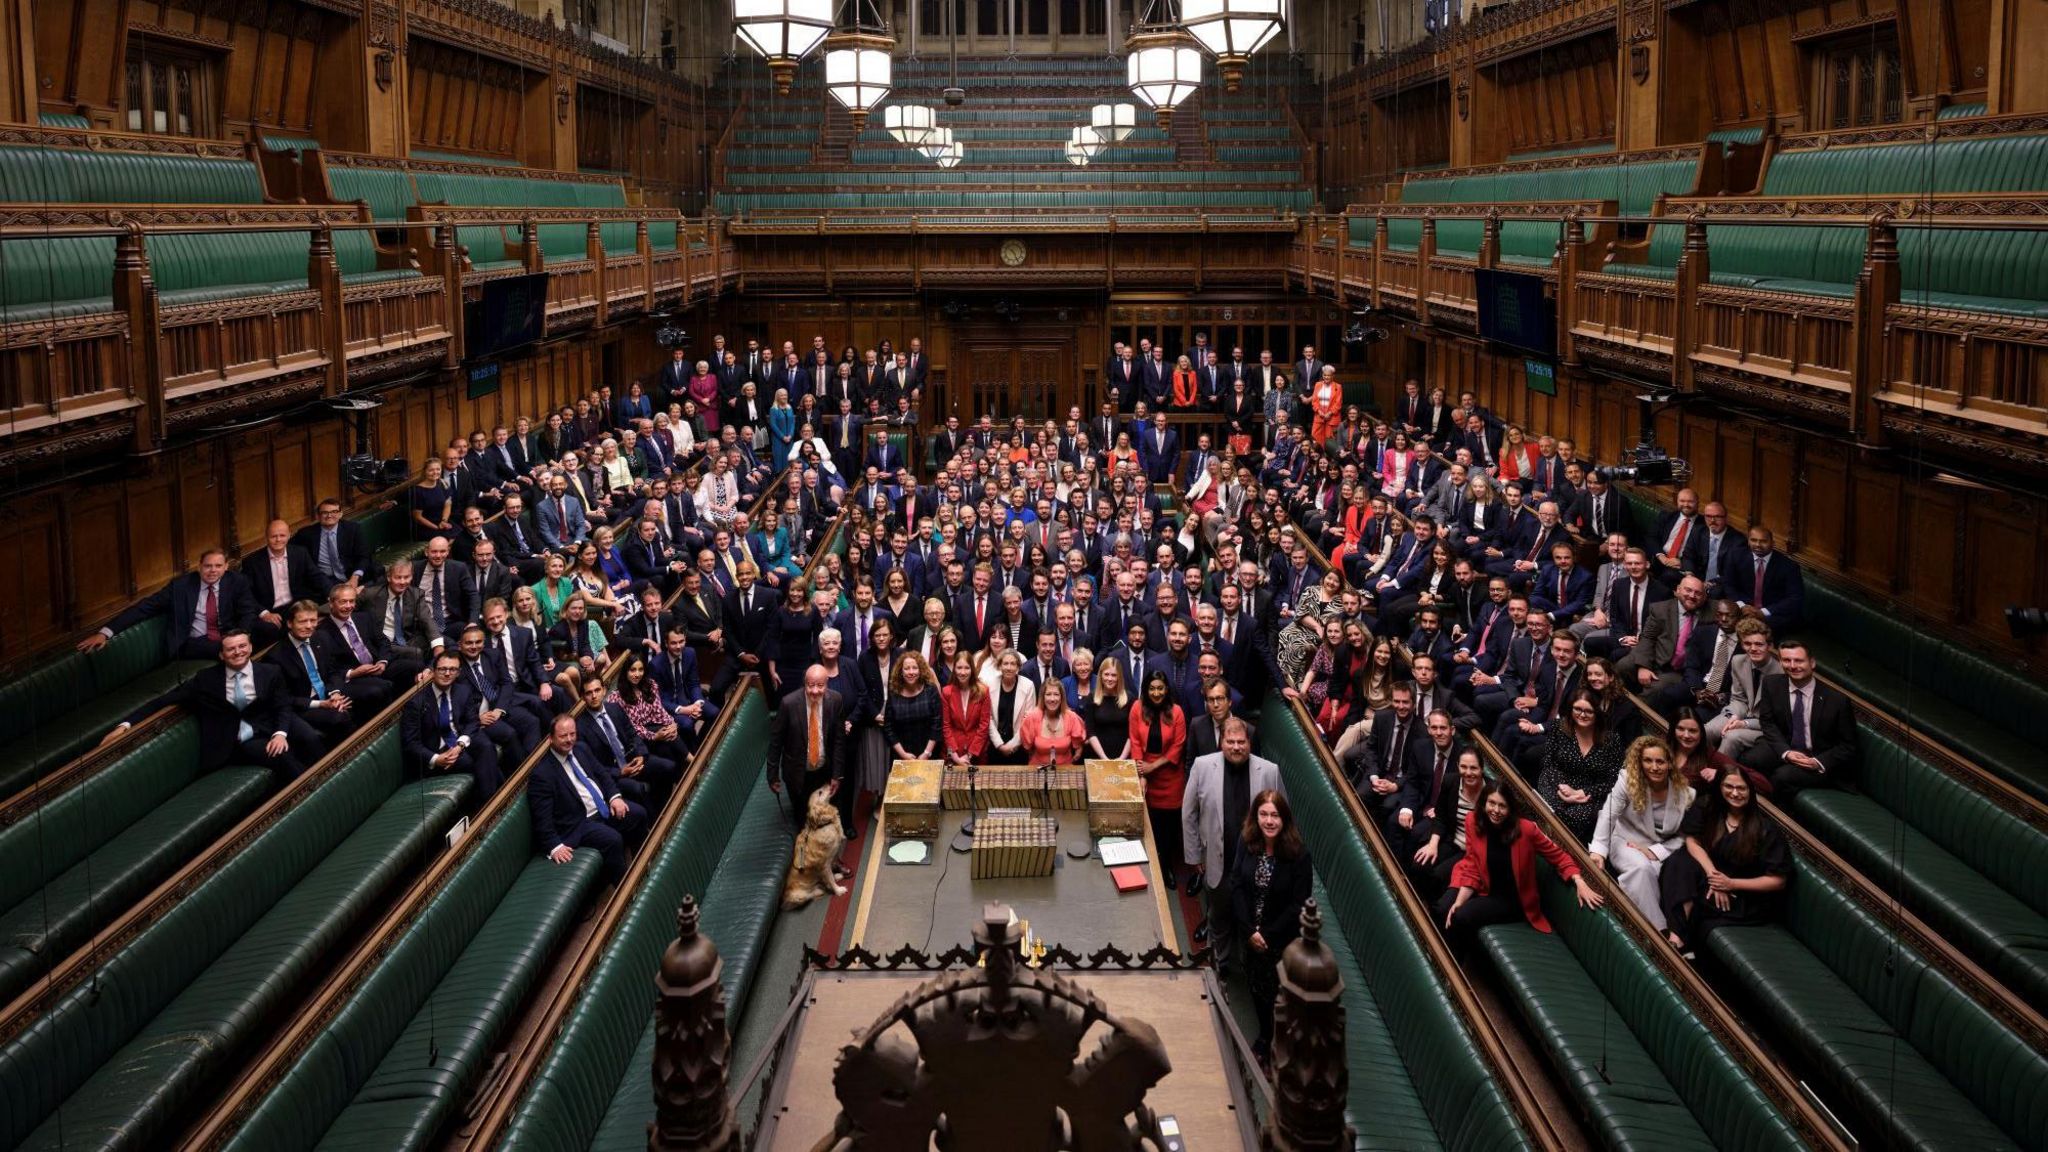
x: 1635, y: 186
x: 1907, y: 1056
x: 52, y: 715
x: 740, y: 906
x: 1623, y: 1040
x: 1430, y: 1084
x: 91, y: 852
x: 394, y: 1064
x: 577, y: 1080
x: 115, y: 1061
x: 1971, y: 869
x: 1986, y: 712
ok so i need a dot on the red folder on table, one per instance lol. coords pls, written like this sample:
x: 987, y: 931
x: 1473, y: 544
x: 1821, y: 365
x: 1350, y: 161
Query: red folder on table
x: 1129, y: 878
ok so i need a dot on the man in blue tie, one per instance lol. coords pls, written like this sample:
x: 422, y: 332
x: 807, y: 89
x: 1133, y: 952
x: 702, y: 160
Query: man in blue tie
x: 439, y: 729
x: 575, y: 803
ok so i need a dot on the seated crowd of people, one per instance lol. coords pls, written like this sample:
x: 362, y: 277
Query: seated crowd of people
x: 1043, y: 593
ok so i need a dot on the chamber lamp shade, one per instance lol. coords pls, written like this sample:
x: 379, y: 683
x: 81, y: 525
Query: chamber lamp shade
x: 1076, y: 156
x: 910, y: 124
x: 1114, y: 122
x: 955, y: 153
x: 1231, y: 30
x: 857, y: 72
x: 1086, y: 141
x: 938, y: 144
x: 783, y: 32
x: 1165, y: 68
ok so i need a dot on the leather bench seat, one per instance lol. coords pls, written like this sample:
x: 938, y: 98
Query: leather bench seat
x: 1619, y: 1084
x: 1914, y: 1059
x: 1432, y: 1085
x: 739, y: 909
x: 50, y: 924
x: 571, y: 1090
x: 112, y: 1060
x: 68, y: 726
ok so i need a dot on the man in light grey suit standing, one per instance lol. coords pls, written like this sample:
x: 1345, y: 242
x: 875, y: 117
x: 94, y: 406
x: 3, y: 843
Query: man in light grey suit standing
x: 1212, y: 814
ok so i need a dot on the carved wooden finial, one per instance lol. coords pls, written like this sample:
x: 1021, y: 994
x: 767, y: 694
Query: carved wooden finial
x: 692, y: 1049
x: 1310, y: 1078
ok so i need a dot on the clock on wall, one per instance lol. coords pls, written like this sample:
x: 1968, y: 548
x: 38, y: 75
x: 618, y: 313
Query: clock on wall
x: 1012, y: 252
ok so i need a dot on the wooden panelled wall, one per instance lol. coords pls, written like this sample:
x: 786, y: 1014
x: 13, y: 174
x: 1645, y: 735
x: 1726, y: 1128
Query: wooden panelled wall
x: 1550, y: 98
x: 77, y: 553
x: 272, y: 62
x: 1937, y: 551
x: 468, y: 102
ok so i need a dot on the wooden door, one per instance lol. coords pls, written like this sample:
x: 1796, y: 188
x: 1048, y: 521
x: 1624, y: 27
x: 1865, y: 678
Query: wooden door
x: 1011, y: 373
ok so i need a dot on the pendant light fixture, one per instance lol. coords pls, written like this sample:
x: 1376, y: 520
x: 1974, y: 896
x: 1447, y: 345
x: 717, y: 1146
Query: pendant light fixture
x: 783, y: 32
x: 1076, y: 156
x: 910, y: 124
x: 1165, y: 66
x: 954, y: 154
x: 857, y: 60
x: 1086, y: 141
x: 1231, y: 30
x: 938, y: 144
x: 1114, y: 122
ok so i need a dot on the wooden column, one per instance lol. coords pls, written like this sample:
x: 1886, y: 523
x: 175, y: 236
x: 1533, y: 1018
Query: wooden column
x: 17, y: 62
x: 1692, y: 272
x: 692, y: 1049
x: 2017, y: 83
x: 1639, y: 88
x: 1310, y: 1079
x: 1876, y: 290
x: 325, y: 277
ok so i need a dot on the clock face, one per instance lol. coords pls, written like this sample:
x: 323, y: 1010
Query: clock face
x: 1013, y: 252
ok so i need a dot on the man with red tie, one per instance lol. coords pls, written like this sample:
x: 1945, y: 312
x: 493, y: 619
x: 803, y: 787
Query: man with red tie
x: 1674, y: 530
x: 199, y: 608
x: 975, y: 612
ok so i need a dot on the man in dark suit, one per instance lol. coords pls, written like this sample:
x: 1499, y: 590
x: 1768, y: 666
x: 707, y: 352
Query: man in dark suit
x: 747, y: 611
x: 646, y: 631
x: 445, y: 585
x: 884, y: 456
x: 1307, y: 371
x: 575, y: 803
x: 1561, y: 588
x: 1408, y: 410
x: 1596, y: 510
x: 279, y: 576
x: 1670, y: 543
x: 1432, y: 758
x: 674, y: 671
x: 314, y: 682
x: 1159, y: 449
x: 472, y: 533
x: 486, y: 580
x: 518, y: 541
x: 947, y: 442
x: 198, y: 609
x: 1547, y: 691
x: 1711, y: 548
x: 649, y: 560
x: 337, y: 546
x: 976, y: 611
x: 674, y: 379
x: 1809, y: 736
x: 1205, y: 731
x: 242, y: 712
x: 363, y: 653
x: 807, y: 746
x: 1655, y: 664
x: 1483, y: 440
x: 438, y: 729
x: 1390, y: 753
x: 602, y: 727
x: 512, y: 727
x: 1767, y: 580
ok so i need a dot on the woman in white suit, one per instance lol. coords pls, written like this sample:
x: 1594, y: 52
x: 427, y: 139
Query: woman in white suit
x: 1638, y: 826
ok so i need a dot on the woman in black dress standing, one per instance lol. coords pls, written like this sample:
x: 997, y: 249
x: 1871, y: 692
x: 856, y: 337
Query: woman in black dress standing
x: 911, y: 719
x: 792, y: 639
x: 1269, y: 884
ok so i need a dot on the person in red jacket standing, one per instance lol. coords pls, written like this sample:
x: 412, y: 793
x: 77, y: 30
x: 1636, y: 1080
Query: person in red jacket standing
x: 1495, y: 882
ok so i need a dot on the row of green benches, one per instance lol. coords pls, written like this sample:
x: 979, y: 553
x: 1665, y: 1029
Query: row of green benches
x: 1273, y: 199
x: 1984, y: 270
x: 116, y: 1059
x: 981, y: 180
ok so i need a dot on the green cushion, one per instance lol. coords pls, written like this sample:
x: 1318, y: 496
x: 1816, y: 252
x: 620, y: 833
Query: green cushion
x: 1447, y: 1096
x: 47, y: 926
x: 1619, y: 1085
x: 65, y: 727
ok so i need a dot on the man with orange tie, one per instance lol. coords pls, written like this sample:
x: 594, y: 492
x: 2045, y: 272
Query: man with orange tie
x: 806, y: 745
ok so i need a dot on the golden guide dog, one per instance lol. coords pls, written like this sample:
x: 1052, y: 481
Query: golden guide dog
x: 817, y: 846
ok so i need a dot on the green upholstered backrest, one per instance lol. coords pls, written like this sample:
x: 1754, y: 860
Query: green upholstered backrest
x: 569, y: 1094
x: 329, y: 1073
x: 1726, y: 1102
x: 181, y: 261
x: 1465, y: 1106
x: 388, y: 191
x: 2017, y: 163
x: 1984, y: 834
x: 1967, y: 1044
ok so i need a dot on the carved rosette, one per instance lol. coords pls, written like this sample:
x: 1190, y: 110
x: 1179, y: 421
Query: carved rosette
x: 692, y: 1050
x: 1310, y: 1077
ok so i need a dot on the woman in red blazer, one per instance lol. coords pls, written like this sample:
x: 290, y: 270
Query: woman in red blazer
x: 1495, y: 882
x: 964, y: 714
x: 1518, y: 455
x: 1159, y: 741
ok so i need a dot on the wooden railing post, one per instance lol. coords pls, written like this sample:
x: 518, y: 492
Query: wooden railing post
x: 593, y: 247
x: 1489, y: 240
x: 135, y: 297
x: 1693, y: 270
x: 529, y: 247
x: 1425, y: 253
x: 1379, y: 248
x: 1570, y: 258
x: 325, y: 276
x: 1877, y: 289
x: 645, y: 248
x: 451, y: 293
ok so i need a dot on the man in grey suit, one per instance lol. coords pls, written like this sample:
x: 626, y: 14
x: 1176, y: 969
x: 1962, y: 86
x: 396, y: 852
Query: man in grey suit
x: 397, y: 610
x: 1655, y: 664
x: 1212, y: 814
x: 1734, y: 728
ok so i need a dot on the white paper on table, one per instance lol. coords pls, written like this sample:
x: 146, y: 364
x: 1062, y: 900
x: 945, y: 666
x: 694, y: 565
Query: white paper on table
x: 1128, y: 852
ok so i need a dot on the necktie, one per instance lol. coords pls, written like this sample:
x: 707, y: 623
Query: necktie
x: 476, y: 676
x: 518, y: 537
x: 1677, y: 548
x: 213, y: 613
x: 1436, y: 780
x: 860, y: 635
x: 592, y: 799
x: 438, y: 604
x: 355, y: 642
x: 1230, y: 629
x: 1758, y: 599
x: 1684, y: 637
x: 611, y: 737
x: 1635, y: 606
x: 330, y: 554
x: 562, y: 516
x: 1560, y: 588
x: 312, y: 671
x: 814, y: 745
x: 511, y: 662
x: 1800, y: 742
x: 980, y: 614
x: 447, y: 721
x: 240, y: 699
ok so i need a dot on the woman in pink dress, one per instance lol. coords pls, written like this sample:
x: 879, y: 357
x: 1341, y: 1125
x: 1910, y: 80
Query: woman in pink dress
x: 704, y: 390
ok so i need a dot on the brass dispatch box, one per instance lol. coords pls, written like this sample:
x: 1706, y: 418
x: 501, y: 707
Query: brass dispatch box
x: 1116, y: 798
x: 910, y: 805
